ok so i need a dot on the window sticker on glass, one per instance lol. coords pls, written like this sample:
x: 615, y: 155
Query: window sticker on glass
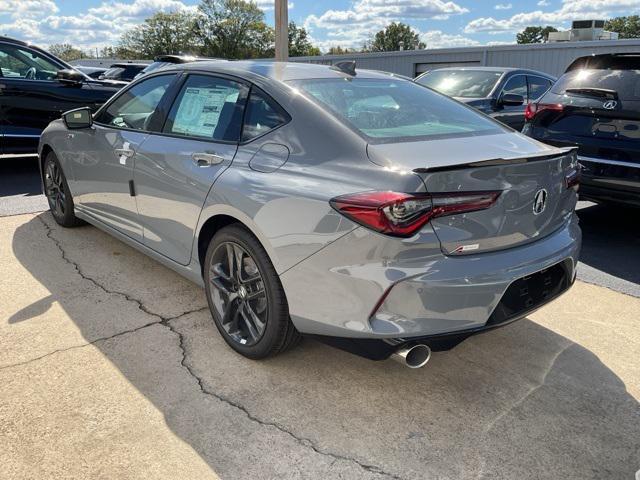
x: 200, y: 109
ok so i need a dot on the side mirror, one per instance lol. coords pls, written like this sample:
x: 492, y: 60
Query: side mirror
x: 78, y: 118
x: 512, y: 100
x: 70, y: 77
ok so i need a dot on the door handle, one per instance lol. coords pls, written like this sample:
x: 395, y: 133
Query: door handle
x: 206, y: 159
x: 124, y: 152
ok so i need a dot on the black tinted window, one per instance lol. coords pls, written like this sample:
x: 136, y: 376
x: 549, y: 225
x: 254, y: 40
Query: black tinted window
x: 16, y: 62
x: 208, y: 108
x: 516, y: 85
x: 537, y: 87
x: 626, y: 83
x: 263, y: 114
x: 134, y: 107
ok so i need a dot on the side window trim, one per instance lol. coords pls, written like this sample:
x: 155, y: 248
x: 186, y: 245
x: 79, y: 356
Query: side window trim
x: 242, y: 97
x: 113, y: 99
x: 279, y: 107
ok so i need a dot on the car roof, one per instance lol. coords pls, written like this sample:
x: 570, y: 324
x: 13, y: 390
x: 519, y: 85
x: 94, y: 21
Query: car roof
x: 604, y: 60
x: 495, y: 69
x: 128, y: 64
x: 280, y: 71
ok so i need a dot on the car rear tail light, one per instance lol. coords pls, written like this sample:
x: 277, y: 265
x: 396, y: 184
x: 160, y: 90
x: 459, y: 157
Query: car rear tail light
x: 534, y: 109
x: 403, y: 214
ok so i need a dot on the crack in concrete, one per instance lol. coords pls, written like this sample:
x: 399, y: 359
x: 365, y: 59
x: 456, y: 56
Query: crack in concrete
x: 306, y: 442
x: 166, y: 322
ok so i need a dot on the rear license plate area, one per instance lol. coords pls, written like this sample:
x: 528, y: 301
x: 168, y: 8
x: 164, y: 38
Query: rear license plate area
x: 532, y: 291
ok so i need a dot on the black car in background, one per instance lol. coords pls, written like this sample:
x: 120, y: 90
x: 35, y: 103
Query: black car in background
x: 93, y: 72
x: 36, y: 88
x: 502, y: 93
x: 123, y: 72
x: 595, y: 106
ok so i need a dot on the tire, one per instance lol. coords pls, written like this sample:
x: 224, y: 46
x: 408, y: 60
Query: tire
x: 248, y: 304
x: 57, y: 192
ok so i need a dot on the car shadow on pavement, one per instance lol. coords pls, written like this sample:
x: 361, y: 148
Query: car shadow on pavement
x: 611, y: 240
x: 518, y: 402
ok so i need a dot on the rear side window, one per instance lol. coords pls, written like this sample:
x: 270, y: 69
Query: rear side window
x: 262, y: 115
x: 537, y: 87
x: 135, y: 107
x: 626, y: 83
x: 516, y: 85
x: 208, y: 108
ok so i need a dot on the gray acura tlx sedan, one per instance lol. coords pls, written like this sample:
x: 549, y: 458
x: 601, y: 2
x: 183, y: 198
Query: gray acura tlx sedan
x: 373, y: 213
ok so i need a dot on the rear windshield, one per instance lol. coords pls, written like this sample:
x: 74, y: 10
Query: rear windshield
x: 395, y: 110
x: 461, y: 83
x: 625, y: 82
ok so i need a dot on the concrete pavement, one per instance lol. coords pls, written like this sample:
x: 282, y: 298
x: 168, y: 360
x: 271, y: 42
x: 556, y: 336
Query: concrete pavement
x: 111, y: 368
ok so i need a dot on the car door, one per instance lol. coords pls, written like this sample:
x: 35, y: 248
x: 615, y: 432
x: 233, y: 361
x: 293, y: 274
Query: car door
x: 512, y: 115
x: 31, y: 97
x: 103, y: 174
x: 176, y: 168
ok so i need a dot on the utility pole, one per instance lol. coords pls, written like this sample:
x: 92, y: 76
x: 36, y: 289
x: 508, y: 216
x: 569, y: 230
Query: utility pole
x: 282, y: 30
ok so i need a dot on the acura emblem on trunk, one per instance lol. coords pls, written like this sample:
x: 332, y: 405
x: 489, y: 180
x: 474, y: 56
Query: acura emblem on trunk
x: 610, y: 104
x: 539, y: 201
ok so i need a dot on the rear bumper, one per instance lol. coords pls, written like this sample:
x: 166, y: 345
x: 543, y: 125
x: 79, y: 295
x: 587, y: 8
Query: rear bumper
x: 415, y: 292
x: 610, y: 180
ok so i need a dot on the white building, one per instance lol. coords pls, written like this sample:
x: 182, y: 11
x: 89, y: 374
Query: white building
x: 551, y: 58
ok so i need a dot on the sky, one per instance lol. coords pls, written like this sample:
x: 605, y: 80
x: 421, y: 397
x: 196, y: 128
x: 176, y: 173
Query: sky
x: 347, y: 23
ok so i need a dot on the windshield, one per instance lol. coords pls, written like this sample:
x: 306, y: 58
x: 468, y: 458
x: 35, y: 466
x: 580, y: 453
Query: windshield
x: 395, y: 110
x: 626, y: 83
x: 461, y: 83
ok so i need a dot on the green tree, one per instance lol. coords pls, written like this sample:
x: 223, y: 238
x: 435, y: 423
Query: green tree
x: 627, y: 27
x: 66, y: 51
x: 299, y: 44
x: 396, y: 36
x: 163, y: 33
x: 233, y: 29
x: 535, y: 34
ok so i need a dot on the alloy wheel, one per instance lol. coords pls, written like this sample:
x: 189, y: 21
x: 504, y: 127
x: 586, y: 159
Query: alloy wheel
x: 54, y: 188
x: 238, y: 293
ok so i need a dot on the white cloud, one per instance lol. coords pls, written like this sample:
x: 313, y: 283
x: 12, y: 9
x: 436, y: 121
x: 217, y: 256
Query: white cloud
x: 503, y: 6
x: 570, y: 10
x: 138, y: 9
x: 543, y: 3
x: 439, y: 39
x: 352, y: 27
x: 268, y: 5
x: 27, y: 8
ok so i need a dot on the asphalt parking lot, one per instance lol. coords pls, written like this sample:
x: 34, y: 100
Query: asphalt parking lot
x: 112, y: 368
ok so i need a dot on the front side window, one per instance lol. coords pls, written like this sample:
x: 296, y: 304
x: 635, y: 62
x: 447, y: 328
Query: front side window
x: 262, y: 115
x: 538, y: 86
x: 16, y: 62
x: 208, y: 108
x: 461, y: 83
x: 134, y: 108
x: 516, y: 85
x: 387, y: 110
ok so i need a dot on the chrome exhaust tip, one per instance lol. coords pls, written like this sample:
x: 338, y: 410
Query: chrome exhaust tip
x: 415, y: 356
